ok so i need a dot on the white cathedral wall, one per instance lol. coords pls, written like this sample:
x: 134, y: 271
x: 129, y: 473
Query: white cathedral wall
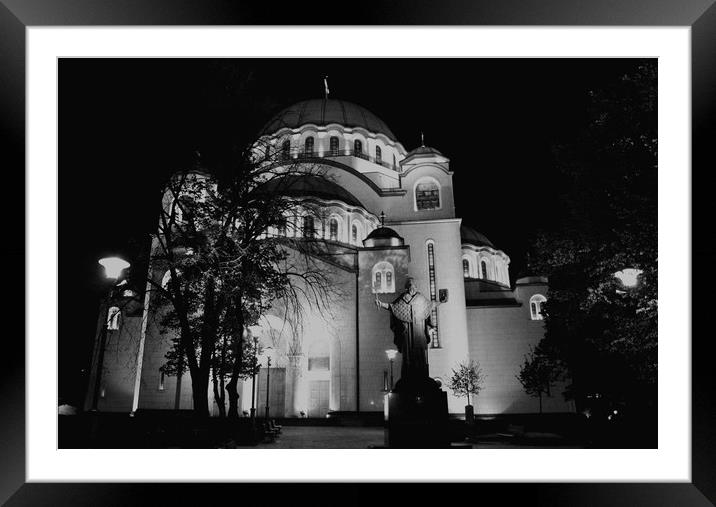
x: 118, y: 372
x: 329, y: 331
x: 367, y: 196
x: 499, y: 338
x: 451, y: 316
x: 151, y: 394
x: 448, y: 274
x: 396, y: 208
x: 381, y: 179
x: 375, y: 334
x: 405, y: 209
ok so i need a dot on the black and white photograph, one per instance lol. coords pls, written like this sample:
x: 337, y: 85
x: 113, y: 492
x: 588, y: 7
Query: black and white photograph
x: 357, y: 253
x: 406, y: 252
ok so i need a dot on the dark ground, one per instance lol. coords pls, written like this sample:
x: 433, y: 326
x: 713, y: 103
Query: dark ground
x: 170, y: 430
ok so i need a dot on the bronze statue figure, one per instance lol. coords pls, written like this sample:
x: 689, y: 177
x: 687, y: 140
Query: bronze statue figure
x: 411, y: 325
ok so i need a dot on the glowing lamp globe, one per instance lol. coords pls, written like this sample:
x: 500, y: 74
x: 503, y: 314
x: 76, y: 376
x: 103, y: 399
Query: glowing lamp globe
x: 391, y: 353
x: 629, y: 277
x: 113, y: 266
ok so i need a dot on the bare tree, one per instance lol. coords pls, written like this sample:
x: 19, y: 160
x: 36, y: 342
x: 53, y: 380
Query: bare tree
x: 234, y: 248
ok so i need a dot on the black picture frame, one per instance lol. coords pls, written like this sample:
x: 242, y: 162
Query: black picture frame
x: 17, y: 15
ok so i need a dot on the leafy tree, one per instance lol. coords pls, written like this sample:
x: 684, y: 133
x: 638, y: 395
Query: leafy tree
x: 603, y: 333
x: 467, y: 379
x: 538, y: 373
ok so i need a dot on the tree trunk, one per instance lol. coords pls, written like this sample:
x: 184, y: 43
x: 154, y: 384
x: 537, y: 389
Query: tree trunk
x: 233, y: 398
x: 238, y: 343
x: 222, y: 378
x: 540, y: 402
x: 200, y: 393
x: 217, y: 393
x: 222, y: 397
x: 200, y: 385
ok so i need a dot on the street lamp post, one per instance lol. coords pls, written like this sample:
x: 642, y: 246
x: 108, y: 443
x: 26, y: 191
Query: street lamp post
x: 253, y: 380
x: 268, y: 374
x: 391, y: 353
x: 113, y: 267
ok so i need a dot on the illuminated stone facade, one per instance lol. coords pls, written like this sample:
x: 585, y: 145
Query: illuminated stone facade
x: 341, y: 364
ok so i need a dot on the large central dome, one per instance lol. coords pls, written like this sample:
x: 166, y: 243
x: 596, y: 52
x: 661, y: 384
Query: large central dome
x: 321, y: 112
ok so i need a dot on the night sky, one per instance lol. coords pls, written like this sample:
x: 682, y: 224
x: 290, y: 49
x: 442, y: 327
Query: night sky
x: 126, y: 125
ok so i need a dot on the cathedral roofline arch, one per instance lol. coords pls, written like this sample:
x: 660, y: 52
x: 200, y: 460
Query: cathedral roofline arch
x: 381, y: 192
x: 424, y: 164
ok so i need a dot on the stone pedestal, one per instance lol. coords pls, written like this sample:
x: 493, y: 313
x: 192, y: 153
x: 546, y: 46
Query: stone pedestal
x: 416, y: 419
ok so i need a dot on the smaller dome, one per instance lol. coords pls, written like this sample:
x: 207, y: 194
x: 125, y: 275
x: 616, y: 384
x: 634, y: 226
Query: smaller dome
x: 383, y: 236
x: 424, y: 150
x: 472, y: 237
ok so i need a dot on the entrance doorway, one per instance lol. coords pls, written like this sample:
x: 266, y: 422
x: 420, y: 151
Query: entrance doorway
x: 318, y: 398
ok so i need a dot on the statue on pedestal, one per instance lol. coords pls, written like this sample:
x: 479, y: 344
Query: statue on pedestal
x: 416, y: 414
x: 411, y: 325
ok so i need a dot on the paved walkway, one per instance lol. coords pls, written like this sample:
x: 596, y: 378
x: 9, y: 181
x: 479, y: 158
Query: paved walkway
x: 325, y: 437
x: 341, y: 437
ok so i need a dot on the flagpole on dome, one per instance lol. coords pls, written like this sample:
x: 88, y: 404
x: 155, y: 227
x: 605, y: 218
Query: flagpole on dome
x: 325, y: 86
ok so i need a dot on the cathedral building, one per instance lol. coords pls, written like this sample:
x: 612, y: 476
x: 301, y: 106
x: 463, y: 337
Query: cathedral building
x: 389, y: 214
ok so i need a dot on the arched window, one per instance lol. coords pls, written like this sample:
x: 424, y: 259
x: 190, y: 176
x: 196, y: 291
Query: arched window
x: 333, y: 229
x: 357, y: 147
x: 355, y: 234
x: 536, y: 306
x: 435, y: 339
x: 427, y: 194
x: 465, y: 268
x: 483, y: 269
x: 309, y: 228
x: 309, y: 145
x: 383, y: 278
x: 334, y: 146
x: 378, y: 155
x: 286, y: 149
x: 113, y: 316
